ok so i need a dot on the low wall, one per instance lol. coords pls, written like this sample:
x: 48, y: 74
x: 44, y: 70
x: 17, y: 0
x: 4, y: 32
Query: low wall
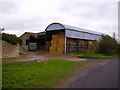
x: 9, y: 50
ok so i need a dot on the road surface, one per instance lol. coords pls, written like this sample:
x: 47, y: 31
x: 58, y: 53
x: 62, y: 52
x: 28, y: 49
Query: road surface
x: 100, y: 76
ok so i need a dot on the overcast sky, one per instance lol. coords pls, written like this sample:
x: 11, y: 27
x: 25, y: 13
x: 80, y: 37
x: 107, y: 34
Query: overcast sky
x: 19, y: 16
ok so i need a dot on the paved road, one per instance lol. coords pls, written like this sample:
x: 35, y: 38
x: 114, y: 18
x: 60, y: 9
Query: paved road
x: 105, y: 76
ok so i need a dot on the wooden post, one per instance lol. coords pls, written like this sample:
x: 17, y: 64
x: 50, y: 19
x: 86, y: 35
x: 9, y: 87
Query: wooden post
x: 65, y: 42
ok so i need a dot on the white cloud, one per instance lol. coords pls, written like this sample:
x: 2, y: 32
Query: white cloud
x: 34, y: 15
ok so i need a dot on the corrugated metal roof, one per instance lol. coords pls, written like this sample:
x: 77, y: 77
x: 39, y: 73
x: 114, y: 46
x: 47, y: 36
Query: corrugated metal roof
x: 82, y: 35
x: 75, y: 32
x: 80, y: 29
x: 41, y: 33
x: 31, y: 33
x: 59, y: 26
x: 54, y: 26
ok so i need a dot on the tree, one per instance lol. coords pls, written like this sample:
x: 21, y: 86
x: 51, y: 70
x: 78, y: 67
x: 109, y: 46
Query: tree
x: 107, y: 45
x: 13, y: 39
x: 118, y: 48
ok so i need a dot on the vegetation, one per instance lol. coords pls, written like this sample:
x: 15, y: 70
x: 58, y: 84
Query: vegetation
x: 13, y: 39
x: 107, y: 45
x: 92, y: 55
x: 22, y: 54
x: 37, y: 74
x: 118, y: 48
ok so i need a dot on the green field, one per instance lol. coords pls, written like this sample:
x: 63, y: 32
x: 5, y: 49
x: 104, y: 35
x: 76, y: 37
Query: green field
x: 37, y: 74
x: 92, y: 55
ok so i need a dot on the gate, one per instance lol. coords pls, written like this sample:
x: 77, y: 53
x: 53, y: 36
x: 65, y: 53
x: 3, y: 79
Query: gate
x: 32, y: 46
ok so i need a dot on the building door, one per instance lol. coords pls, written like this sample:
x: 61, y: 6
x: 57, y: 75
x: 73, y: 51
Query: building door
x: 32, y: 46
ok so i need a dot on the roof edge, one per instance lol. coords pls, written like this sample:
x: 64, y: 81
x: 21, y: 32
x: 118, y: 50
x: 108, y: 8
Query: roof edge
x: 55, y: 23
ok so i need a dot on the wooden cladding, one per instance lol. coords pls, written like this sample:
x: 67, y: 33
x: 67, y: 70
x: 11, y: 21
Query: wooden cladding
x: 74, y: 45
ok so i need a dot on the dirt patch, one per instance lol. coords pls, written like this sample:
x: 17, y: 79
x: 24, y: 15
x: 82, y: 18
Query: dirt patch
x: 33, y: 55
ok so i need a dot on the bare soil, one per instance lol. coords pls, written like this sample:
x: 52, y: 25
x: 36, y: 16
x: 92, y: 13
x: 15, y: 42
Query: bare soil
x: 34, y: 55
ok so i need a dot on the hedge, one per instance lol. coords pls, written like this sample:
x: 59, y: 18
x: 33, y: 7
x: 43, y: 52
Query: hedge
x: 108, y: 45
x: 13, y: 39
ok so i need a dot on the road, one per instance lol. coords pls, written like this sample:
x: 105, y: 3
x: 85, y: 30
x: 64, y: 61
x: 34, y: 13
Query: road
x: 101, y: 76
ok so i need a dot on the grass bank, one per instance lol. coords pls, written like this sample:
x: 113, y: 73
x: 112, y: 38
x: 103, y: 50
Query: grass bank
x: 92, y: 55
x: 37, y: 74
x: 22, y: 54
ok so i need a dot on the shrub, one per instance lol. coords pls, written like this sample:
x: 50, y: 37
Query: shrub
x: 13, y: 39
x: 118, y: 48
x: 107, y: 45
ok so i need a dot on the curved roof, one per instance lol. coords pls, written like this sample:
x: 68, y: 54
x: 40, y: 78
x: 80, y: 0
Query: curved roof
x: 59, y: 26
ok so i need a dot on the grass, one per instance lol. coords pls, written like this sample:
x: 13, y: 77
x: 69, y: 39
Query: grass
x: 36, y: 74
x: 92, y: 55
x: 22, y: 54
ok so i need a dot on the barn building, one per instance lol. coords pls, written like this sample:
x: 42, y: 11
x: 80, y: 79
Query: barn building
x: 60, y: 38
x: 33, y: 41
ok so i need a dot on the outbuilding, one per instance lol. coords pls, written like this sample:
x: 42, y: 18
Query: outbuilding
x: 61, y: 38
x: 33, y: 41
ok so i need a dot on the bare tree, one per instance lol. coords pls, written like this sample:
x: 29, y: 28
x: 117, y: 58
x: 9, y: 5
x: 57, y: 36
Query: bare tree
x: 1, y: 29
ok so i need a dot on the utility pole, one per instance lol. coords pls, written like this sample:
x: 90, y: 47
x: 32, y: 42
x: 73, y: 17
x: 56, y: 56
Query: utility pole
x: 114, y: 35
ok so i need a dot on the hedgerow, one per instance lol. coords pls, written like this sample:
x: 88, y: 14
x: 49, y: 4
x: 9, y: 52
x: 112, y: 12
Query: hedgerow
x: 108, y: 45
x: 13, y: 39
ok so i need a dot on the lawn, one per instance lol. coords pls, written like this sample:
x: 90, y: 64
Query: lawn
x: 92, y: 55
x: 37, y: 74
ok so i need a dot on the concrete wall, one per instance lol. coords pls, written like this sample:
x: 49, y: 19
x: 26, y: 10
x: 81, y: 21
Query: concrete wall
x: 9, y: 50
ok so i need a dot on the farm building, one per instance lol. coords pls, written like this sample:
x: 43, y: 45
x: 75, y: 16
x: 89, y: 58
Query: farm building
x: 33, y: 41
x: 60, y: 38
x: 25, y: 37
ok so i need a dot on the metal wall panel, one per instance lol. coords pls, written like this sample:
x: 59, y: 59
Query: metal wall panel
x: 81, y: 35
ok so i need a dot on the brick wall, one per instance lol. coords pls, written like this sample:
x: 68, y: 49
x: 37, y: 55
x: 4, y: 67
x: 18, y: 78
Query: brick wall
x: 9, y: 50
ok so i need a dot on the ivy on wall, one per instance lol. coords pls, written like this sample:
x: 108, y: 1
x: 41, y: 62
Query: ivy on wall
x: 13, y: 39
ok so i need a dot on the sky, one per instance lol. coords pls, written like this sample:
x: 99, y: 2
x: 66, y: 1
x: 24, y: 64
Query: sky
x: 19, y: 16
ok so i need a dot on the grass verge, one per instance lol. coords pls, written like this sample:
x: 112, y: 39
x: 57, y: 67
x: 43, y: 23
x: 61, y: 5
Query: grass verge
x: 92, y: 55
x: 22, y: 54
x: 36, y: 74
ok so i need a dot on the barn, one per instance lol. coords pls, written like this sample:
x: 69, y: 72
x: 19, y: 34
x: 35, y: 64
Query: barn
x: 61, y: 38
x: 33, y: 41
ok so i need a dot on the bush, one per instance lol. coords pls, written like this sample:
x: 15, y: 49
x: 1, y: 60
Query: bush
x: 107, y: 45
x: 118, y: 48
x: 13, y: 39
